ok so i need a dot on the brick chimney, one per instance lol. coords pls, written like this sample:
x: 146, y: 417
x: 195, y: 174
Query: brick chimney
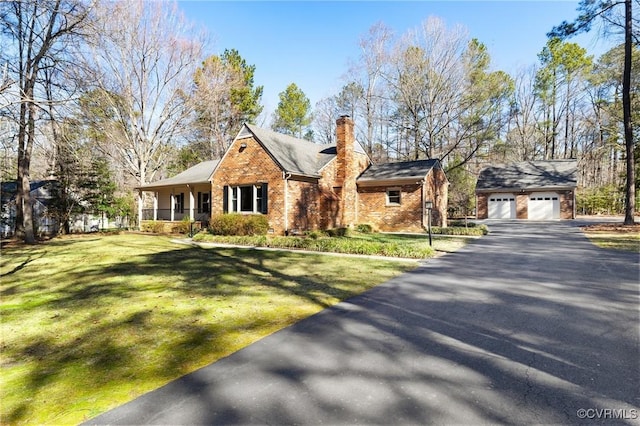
x: 344, y: 147
x: 346, y: 169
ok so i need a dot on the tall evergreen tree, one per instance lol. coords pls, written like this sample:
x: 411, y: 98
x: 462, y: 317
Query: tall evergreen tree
x: 293, y: 115
x: 589, y: 12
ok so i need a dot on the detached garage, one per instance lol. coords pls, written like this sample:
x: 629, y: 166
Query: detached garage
x: 533, y: 190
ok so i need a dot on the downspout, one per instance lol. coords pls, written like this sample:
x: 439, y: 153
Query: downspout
x: 285, y: 177
x: 423, y: 199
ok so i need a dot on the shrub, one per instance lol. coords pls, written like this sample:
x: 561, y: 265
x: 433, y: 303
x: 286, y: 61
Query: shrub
x: 462, y: 223
x: 255, y: 224
x: 461, y: 230
x: 314, y: 235
x: 183, y: 227
x: 338, y: 232
x: 364, y: 228
x: 239, y: 224
x: 153, y: 226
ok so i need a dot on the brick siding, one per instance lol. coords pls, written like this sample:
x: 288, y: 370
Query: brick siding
x: 246, y: 166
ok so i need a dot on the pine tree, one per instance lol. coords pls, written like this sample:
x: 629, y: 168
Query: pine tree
x: 293, y: 115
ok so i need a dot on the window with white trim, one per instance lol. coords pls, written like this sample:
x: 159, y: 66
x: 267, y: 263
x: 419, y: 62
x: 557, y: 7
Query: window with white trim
x: 246, y: 198
x: 393, y: 197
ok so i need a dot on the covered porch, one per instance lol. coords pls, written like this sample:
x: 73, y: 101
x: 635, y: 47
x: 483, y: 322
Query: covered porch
x: 186, y: 195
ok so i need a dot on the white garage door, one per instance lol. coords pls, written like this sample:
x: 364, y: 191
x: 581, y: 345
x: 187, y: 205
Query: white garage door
x: 544, y: 206
x: 502, y: 206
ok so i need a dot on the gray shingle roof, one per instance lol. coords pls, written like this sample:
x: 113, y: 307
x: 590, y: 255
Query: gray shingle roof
x: 294, y: 155
x: 405, y: 170
x: 529, y: 175
x: 297, y: 156
x: 200, y: 173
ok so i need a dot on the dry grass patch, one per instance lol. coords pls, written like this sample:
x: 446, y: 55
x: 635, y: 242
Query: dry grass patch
x: 90, y: 323
x: 614, y: 236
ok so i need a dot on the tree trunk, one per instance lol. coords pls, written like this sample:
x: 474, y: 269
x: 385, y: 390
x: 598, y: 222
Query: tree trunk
x: 630, y: 190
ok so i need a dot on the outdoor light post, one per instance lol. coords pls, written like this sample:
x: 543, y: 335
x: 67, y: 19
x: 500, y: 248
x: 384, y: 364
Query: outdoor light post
x: 429, y: 205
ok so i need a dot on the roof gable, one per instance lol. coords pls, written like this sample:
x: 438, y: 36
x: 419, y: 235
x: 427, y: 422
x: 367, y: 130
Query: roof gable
x: 529, y: 175
x: 293, y: 155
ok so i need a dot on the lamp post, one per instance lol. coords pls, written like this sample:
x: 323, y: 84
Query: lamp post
x: 429, y: 205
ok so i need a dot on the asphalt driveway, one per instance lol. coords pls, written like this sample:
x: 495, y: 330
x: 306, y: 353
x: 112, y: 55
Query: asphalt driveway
x: 531, y: 324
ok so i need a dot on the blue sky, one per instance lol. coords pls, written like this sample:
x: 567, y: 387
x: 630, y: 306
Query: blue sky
x: 311, y: 43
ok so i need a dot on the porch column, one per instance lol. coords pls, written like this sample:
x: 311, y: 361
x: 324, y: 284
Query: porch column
x: 155, y: 206
x: 139, y: 209
x: 191, y: 202
x: 173, y: 206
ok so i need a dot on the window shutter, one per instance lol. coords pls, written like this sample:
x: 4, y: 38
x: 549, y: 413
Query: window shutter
x: 199, y: 202
x: 225, y: 199
x: 264, y: 208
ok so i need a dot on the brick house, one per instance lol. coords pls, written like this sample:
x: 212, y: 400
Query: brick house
x: 301, y: 185
x: 532, y: 190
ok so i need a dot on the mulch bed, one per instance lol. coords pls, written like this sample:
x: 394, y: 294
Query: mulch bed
x: 612, y: 228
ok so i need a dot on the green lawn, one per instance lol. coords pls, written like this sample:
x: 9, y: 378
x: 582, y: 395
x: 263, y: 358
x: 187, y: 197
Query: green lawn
x: 91, y: 322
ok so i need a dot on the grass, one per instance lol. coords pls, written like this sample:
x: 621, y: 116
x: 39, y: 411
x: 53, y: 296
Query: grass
x: 413, y: 246
x: 615, y: 240
x: 91, y: 322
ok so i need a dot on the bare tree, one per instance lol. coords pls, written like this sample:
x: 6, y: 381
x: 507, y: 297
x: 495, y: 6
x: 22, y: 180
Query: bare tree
x: 143, y: 56
x: 224, y: 98
x: 37, y: 35
x: 426, y: 76
x: 324, y: 120
x: 374, y: 57
x: 525, y: 139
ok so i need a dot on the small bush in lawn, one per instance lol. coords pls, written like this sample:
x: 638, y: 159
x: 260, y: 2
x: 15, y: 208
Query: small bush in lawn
x: 364, y: 228
x: 239, y: 224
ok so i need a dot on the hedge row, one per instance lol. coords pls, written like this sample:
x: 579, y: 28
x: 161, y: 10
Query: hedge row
x: 327, y: 244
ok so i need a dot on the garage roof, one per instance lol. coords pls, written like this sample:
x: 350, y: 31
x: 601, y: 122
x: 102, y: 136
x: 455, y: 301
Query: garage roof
x: 551, y: 174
